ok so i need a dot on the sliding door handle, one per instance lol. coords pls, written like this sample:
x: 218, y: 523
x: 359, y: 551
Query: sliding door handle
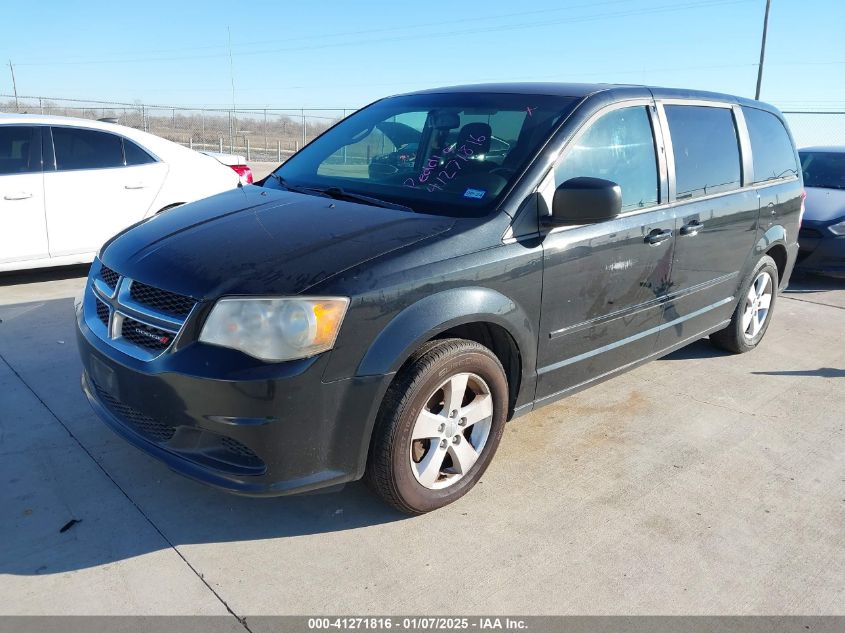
x: 658, y: 236
x: 692, y: 228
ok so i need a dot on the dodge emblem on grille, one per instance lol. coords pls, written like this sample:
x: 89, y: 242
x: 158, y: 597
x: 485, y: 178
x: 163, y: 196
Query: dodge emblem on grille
x: 164, y: 340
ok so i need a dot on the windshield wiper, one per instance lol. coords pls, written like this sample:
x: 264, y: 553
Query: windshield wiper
x: 296, y: 188
x: 341, y: 194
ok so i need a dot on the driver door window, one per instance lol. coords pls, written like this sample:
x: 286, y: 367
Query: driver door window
x: 619, y: 147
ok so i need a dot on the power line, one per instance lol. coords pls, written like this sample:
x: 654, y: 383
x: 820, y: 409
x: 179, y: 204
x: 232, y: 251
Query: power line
x: 498, y: 78
x: 405, y: 37
x: 335, y: 34
x: 559, y: 76
x: 86, y: 104
x: 831, y: 106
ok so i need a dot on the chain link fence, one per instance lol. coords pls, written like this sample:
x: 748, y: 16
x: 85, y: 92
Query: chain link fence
x: 817, y: 128
x: 267, y: 134
x: 273, y: 134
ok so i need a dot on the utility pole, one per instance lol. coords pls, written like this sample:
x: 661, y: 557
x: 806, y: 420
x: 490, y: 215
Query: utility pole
x: 763, y: 49
x: 14, y: 86
x: 232, y: 121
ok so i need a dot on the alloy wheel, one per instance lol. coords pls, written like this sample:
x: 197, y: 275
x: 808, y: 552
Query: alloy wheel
x: 757, y: 304
x: 451, y: 431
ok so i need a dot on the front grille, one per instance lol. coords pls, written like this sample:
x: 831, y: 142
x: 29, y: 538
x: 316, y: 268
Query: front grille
x: 161, y: 300
x: 246, y: 457
x: 145, y: 335
x: 109, y: 276
x: 809, y: 234
x: 102, y: 312
x: 141, y: 320
x: 142, y: 424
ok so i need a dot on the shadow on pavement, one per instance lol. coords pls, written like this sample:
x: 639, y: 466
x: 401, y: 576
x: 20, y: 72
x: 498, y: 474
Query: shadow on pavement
x: 41, y: 275
x: 700, y: 349
x: 801, y: 283
x: 823, y: 372
x: 48, y: 478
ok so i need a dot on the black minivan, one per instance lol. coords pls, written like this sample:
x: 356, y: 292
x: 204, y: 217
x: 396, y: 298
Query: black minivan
x: 430, y: 267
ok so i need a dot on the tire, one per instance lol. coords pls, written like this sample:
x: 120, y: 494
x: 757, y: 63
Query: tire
x: 416, y: 428
x: 742, y: 335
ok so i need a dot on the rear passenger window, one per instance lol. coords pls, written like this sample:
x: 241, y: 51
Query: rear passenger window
x: 134, y: 154
x: 706, y: 150
x: 618, y: 147
x: 771, y: 149
x: 19, y: 153
x: 86, y: 149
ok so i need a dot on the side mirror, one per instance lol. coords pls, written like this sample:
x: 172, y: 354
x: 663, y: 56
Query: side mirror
x: 585, y: 201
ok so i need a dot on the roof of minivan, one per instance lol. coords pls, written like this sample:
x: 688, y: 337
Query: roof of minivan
x: 579, y: 90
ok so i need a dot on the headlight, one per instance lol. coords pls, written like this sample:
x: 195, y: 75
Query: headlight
x: 276, y: 329
x: 838, y: 228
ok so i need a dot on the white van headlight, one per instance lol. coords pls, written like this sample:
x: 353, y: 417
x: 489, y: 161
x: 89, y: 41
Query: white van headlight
x: 276, y: 329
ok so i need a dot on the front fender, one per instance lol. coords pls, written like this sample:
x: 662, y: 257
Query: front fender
x: 441, y: 311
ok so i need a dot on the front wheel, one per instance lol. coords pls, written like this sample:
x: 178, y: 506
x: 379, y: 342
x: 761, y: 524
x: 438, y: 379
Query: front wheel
x: 439, y: 426
x: 753, y: 312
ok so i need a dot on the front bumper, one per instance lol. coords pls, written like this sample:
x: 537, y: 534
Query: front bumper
x: 265, y: 430
x: 821, y: 251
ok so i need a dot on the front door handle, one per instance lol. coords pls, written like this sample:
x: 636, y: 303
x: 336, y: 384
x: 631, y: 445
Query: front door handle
x: 657, y: 236
x: 19, y: 195
x: 692, y: 228
x: 135, y: 185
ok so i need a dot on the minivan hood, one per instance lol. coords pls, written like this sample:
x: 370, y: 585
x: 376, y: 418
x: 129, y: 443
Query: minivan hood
x: 257, y: 241
x: 824, y: 205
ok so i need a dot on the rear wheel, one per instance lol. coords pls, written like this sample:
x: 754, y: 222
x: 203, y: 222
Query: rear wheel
x: 753, y: 312
x: 440, y: 424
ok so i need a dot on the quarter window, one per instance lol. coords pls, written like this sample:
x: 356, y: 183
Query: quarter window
x: 771, y: 149
x: 86, y: 149
x: 134, y: 154
x: 706, y: 150
x: 618, y: 147
x: 18, y: 150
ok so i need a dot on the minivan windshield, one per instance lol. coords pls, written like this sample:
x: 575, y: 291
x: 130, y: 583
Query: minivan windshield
x: 444, y: 153
x: 823, y: 169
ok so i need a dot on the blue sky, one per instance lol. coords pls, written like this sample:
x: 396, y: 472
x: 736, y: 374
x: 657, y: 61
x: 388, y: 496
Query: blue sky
x: 338, y: 54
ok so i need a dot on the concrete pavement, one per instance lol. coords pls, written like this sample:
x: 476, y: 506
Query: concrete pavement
x: 703, y: 483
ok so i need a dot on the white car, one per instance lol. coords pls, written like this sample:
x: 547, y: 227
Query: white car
x: 67, y: 185
x: 236, y: 162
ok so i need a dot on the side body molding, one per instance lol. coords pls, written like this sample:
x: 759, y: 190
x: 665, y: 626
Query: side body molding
x: 443, y: 310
